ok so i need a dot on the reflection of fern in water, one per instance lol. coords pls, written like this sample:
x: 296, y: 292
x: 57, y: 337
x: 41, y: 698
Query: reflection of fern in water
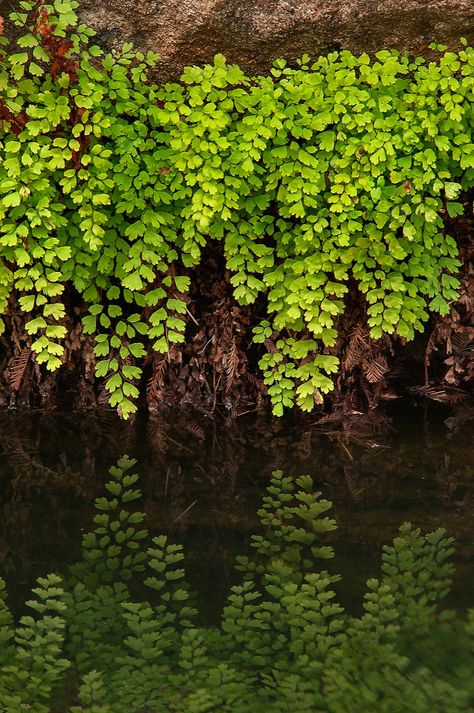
x: 283, y: 644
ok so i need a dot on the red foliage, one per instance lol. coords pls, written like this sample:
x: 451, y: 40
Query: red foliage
x: 17, y: 121
x: 43, y: 27
x: 63, y: 48
x: 57, y: 47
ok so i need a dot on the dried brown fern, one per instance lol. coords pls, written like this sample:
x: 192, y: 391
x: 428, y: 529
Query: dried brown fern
x: 156, y: 380
x: 440, y: 333
x: 443, y: 394
x: 463, y: 342
x: 17, y: 368
x: 354, y: 484
x: 196, y: 430
x: 231, y: 365
x: 157, y: 430
x: 305, y: 444
x: 357, y: 349
x: 375, y: 369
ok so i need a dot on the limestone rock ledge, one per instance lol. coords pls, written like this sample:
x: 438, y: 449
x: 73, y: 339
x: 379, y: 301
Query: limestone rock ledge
x: 255, y: 32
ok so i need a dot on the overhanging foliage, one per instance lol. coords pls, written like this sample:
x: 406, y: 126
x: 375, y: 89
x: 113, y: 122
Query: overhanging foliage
x: 338, y: 170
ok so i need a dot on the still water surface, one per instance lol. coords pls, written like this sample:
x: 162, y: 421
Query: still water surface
x: 202, y: 480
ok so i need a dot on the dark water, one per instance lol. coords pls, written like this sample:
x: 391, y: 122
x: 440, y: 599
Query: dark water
x: 202, y: 481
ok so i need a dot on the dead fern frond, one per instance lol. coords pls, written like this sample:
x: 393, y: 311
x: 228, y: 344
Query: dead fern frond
x: 375, y: 370
x: 357, y: 349
x: 196, y: 430
x: 17, y: 368
x: 463, y: 343
x: 305, y: 444
x: 231, y: 365
x: 354, y: 485
x: 445, y: 395
x: 156, y: 380
x: 364, y: 426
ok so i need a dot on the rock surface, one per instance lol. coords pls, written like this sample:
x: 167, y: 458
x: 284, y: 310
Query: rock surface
x: 255, y: 32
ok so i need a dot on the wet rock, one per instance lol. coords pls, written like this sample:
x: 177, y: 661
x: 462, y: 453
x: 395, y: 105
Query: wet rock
x: 255, y: 32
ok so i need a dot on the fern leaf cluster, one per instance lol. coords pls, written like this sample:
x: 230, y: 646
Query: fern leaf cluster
x: 334, y: 171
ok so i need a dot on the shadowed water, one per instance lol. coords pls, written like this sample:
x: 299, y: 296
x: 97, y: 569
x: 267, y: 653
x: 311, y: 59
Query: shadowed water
x: 203, y: 479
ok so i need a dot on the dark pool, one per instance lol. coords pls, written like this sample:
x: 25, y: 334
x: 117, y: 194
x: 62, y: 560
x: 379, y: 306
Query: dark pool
x: 203, y: 478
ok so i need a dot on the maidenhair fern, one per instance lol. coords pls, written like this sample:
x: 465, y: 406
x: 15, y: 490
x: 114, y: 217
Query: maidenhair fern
x: 119, y: 633
x: 336, y: 170
x: 32, y: 661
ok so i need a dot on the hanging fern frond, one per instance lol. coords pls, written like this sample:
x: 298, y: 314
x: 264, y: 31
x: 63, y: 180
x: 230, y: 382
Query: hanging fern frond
x: 17, y: 368
x: 231, y: 365
x: 375, y: 369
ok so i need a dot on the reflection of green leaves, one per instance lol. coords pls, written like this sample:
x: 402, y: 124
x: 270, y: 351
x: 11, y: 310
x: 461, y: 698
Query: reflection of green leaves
x: 334, y: 169
x: 120, y: 633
